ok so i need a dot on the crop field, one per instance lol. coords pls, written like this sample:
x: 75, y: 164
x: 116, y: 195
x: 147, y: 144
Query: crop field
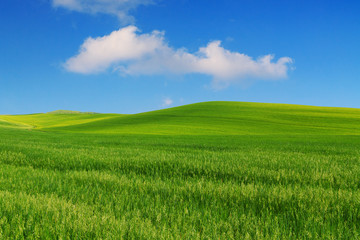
x: 215, y: 170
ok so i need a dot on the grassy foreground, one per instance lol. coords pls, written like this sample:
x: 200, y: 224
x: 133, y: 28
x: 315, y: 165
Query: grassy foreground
x: 218, y: 170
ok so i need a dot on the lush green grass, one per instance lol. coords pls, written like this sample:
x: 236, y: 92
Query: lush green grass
x: 211, y: 118
x: 204, y: 171
x: 41, y: 120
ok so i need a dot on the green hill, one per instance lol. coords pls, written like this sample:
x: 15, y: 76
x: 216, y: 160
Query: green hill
x: 45, y: 120
x: 208, y: 118
x: 214, y: 170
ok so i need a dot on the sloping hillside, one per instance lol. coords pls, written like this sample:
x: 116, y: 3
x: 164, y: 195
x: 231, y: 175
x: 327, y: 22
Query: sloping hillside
x: 46, y: 120
x: 207, y: 119
x: 233, y: 170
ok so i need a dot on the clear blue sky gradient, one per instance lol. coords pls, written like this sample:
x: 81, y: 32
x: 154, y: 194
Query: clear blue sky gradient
x: 322, y: 36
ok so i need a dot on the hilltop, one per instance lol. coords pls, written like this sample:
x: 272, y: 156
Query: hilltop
x: 234, y: 170
x: 69, y: 112
x: 208, y: 118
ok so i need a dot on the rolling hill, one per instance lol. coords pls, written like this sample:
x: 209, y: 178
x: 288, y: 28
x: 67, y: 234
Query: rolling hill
x: 213, y: 170
x: 208, y: 118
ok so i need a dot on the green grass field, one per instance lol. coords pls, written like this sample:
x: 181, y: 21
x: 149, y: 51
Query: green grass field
x: 216, y: 170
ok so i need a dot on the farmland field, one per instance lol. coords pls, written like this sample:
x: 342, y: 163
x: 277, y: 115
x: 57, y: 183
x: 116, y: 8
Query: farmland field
x: 216, y: 170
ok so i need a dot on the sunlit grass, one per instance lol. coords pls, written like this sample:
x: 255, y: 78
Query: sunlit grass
x: 80, y: 182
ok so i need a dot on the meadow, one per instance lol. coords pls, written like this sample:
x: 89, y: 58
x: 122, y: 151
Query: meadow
x: 215, y: 170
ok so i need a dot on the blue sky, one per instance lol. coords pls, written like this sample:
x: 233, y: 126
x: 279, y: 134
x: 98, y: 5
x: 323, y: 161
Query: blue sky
x: 88, y: 56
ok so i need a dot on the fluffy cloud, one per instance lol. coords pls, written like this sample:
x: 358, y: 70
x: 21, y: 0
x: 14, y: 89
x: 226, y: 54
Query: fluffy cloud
x: 98, y: 54
x: 146, y: 54
x: 120, y: 8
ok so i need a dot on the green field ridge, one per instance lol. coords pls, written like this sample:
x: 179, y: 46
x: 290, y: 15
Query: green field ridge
x: 208, y: 118
x: 69, y: 112
x: 213, y: 170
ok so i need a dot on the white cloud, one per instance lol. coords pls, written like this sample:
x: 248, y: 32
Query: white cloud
x: 146, y: 54
x: 98, y: 54
x: 119, y: 8
x: 167, y: 102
